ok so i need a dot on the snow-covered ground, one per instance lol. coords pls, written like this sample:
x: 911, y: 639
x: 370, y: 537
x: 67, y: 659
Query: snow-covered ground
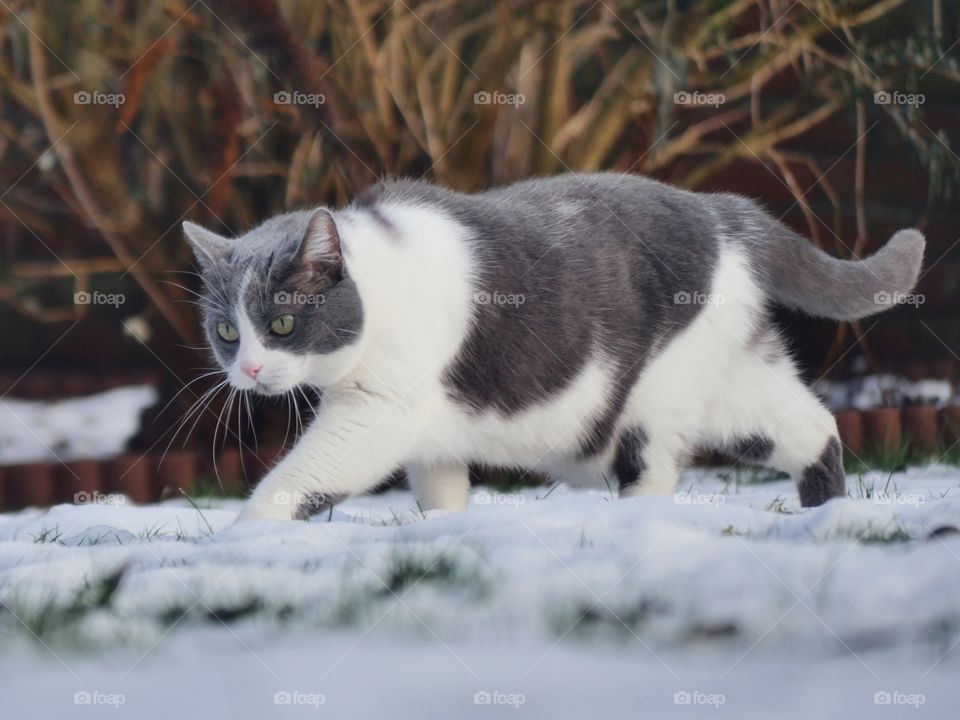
x: 725, y: 600
x: 95, y: 426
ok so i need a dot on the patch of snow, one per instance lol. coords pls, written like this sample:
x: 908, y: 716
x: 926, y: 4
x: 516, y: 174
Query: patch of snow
x: 726, y: 599
x: 92, y: 427
x: 874, y: 391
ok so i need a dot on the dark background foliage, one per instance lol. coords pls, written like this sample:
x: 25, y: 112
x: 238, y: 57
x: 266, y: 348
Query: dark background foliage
x: 841, y: 115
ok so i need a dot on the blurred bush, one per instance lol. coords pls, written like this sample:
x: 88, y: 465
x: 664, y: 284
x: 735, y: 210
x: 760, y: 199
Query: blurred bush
x: 122, y: 118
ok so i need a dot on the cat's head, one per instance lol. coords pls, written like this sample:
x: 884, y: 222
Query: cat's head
x: 279, y: 307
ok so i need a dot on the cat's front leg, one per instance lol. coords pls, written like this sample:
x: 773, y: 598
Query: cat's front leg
x: 357, y: 440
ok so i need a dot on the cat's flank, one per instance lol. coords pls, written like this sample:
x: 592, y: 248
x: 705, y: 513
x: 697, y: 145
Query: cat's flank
x: 588, y: 326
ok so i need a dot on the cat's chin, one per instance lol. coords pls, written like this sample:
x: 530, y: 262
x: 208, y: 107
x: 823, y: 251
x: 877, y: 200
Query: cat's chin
x: 264, y: 389
x: 270, y: 390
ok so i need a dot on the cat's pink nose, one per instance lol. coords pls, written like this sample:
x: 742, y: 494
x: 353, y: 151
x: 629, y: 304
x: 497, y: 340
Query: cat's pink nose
x: 252, y: 369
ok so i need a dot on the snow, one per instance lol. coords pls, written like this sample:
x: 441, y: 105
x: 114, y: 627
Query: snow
x: 92, y: 427
x: 872, y: 391
x: 725, y: 600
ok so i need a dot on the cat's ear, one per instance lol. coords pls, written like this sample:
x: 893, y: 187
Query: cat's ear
x: 320, y: 251
x: 208, y: 247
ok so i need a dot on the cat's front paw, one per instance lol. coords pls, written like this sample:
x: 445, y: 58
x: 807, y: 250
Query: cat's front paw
x: 270, y: 506
x: 258, y: 511
x: 283, y: 505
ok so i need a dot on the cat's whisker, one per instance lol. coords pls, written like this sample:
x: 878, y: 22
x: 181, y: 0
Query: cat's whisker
x: 226, y: 424
x: 196, y: 407
x: 253, y: 429
x: 309, y: 402
x: 203, y: 409
x: 221, y: 296
x: 213, y: 444
x: 240, y: 435
x: 184, y: 288
x: 296, y: 406
x: 286, y: 433
x: 213, y: 371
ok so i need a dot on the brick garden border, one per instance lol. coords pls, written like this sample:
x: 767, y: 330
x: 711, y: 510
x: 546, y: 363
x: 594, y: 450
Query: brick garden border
x: 146, y: 479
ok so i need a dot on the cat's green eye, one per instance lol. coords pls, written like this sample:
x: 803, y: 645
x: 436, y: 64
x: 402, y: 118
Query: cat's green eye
x: 227, y: 331
x: 282, y: 325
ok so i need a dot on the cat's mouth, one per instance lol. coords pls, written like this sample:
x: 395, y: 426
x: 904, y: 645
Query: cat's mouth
x: 258, y: 387
x: 263, y: 388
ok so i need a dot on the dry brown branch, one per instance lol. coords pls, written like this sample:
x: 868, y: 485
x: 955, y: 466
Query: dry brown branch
x: 85, y: 197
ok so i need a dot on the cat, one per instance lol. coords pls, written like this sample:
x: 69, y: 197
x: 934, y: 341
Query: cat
x: 584, y: 325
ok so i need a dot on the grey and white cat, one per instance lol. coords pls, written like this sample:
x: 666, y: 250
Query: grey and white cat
x: 586, y: 325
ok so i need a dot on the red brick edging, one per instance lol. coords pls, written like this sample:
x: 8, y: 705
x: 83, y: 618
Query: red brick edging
x: 145, y: 479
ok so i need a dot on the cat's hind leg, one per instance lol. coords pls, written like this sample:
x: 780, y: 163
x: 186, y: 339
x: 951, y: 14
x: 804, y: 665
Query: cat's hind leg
x: 768, y: 416
x: 645, y: 464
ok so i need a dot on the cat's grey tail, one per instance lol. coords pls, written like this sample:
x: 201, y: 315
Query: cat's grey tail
x: 803, y: 277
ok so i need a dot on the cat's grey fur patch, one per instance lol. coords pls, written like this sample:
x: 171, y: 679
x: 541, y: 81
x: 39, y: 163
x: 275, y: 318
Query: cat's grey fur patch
x: 825, y: 478
x: 328, y: 309
x: 603, y: 262
x: 753, y: 449
x: 628, y: 464
x: 798, y: 275
x: 598, y: 261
